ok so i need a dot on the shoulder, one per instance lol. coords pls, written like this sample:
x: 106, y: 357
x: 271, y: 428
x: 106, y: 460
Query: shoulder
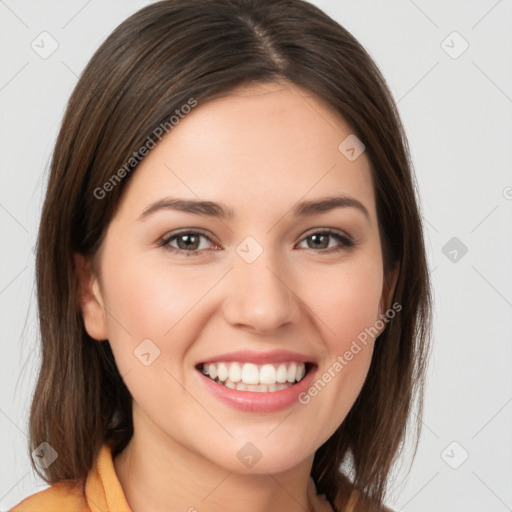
x: 64, y: 496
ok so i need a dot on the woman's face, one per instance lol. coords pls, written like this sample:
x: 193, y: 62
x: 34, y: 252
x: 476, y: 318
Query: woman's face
x: 255, y: 295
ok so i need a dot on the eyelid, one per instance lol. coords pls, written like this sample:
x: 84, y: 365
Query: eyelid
x: 330, y: 231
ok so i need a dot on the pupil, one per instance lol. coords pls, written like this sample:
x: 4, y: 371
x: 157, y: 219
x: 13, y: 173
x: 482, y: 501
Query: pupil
x: 189, y: 241
x: 315, y: 237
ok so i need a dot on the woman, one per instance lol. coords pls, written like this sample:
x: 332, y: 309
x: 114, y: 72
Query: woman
x: 232, y: 285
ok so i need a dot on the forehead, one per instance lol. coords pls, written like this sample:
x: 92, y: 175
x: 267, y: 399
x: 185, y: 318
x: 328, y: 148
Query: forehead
x: 257, y: 145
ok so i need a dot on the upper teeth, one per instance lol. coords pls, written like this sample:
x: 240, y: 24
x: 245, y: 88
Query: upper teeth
x: 250, y: 373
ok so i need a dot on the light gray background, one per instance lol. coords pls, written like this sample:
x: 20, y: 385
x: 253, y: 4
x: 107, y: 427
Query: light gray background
x: 458, y: 117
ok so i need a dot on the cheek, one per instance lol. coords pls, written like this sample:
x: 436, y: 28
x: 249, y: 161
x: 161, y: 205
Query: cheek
x: 142, y: 304
x: 345, y: 309
x: 147, y: 299
x: 346, y: 312
x: 150, y: 324
x: 347, y: 301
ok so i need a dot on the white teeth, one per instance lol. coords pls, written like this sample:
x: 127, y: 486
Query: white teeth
x: 267, y: 374
x: 222, y: 372
x: 301, y: 371
x: 250, y: 374
x: 235, y: 372
x: 281, y: 373
x: 258, y: 388
x: 290, y: 375
x: 229, y: 384
x: 212, y: 371
x: 263, y: 378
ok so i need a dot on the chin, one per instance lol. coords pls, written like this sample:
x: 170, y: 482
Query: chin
x: 251, y: 456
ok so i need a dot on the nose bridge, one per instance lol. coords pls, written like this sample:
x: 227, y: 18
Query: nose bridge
x: 260, y: 295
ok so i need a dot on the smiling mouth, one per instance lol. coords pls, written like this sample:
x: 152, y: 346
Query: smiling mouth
x: 262, y: 378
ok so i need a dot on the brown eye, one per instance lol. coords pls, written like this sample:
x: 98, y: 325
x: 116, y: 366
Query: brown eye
x: 320, y: 240
x: 188, y: 243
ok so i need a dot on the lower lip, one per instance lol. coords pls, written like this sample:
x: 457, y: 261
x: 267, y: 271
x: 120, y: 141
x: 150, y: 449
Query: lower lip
x: 253, y: 401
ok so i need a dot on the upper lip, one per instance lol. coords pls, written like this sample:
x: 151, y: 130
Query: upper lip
x: 248, y: 356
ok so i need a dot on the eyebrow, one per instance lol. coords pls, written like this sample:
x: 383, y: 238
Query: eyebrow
x: 218, y: 210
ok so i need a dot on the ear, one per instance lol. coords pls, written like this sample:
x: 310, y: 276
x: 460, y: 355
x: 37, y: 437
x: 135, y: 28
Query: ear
x: 91, y: 301
x: 389, y: 289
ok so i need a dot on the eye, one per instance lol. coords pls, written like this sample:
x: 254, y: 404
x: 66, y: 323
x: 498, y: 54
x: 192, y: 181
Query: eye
x: 320, y: 240
x: 188, y: 242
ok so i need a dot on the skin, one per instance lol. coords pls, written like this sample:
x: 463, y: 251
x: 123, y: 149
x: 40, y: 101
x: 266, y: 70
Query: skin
x: 258, y: 151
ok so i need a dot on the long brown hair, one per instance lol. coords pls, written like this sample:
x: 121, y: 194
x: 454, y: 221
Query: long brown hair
x: 149, y: 67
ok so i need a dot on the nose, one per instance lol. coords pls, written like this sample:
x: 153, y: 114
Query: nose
x: 260, y: 295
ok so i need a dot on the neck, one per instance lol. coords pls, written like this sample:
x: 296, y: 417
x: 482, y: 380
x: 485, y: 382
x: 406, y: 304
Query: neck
x: 159, y: 474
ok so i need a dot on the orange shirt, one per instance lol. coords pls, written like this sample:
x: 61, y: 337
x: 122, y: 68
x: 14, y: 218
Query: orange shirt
x: 103, y: 492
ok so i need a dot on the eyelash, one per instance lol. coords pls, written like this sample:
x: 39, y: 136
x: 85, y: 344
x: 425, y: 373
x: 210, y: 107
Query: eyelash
x: 344, y: 240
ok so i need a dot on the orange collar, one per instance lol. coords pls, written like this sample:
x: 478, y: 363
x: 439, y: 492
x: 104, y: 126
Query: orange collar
x: 103, y: 490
